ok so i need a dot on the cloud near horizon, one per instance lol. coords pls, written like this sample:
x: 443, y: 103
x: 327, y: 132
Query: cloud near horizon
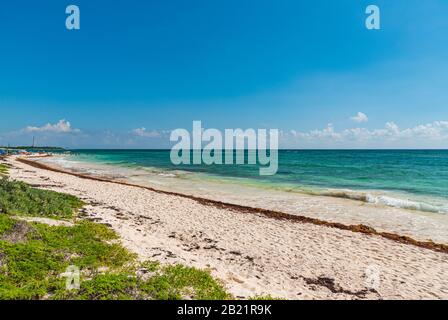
x: 142, y: 132
x: 390, y: 135
x: 62, y: 126
x: 429, y: 135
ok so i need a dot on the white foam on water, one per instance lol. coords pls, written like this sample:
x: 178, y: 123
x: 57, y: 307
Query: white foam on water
x: 404, y: 203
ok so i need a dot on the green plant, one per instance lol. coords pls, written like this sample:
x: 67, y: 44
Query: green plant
x: 34, y: 256
x: 18, y: 198
x: 3, y: 169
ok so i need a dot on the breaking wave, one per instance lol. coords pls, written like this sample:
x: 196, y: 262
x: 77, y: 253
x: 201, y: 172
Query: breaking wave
x: 386, y: 200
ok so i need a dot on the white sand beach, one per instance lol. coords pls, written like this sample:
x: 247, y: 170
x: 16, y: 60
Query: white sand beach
x: 251, y: 253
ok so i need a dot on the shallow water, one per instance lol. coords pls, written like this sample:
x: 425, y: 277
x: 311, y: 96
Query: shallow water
x: 412, y: 179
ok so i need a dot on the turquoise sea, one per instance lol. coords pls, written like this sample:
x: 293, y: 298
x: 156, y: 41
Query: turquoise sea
x: 412, y: 179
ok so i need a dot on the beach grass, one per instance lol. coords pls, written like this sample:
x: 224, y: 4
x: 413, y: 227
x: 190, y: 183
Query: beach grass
x: 3, y: 169
x: 34, y: 256
x: 179, y: 282
x: 165, y: 283
x: 18, y: 198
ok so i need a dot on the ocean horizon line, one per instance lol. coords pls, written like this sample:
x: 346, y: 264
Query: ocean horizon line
x: 280, y: 149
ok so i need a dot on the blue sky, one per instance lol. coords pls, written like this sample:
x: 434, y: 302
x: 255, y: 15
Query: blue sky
x: 137, y: 69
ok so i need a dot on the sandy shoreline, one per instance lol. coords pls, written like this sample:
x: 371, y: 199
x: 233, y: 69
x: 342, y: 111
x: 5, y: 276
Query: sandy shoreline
x: 337, y: 207
x: 252, y: 253
x: 361, y: 228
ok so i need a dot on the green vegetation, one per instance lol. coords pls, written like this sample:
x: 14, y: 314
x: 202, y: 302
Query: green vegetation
x: 3, y: 169
x: 34, y: 256
x: 6, y: 223
x: 18, y: 198
x: 164, y: 283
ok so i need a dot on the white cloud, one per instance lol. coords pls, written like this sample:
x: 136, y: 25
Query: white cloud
x: 421, y: 135
x: 62, y: 126
x: 325, y: 133
x: 142, y: 132
x: 360, y: 117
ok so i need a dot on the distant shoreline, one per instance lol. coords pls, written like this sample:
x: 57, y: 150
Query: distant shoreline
x: 33, y: 148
